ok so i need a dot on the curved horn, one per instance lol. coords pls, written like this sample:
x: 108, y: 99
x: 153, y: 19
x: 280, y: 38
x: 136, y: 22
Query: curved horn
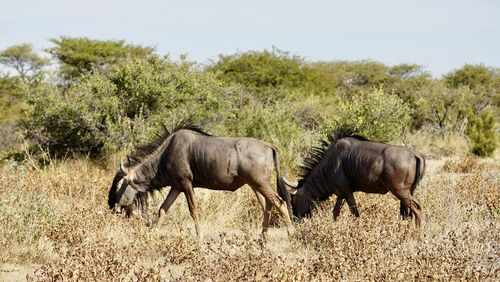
x: 123, y: 169
x: 293, y: 184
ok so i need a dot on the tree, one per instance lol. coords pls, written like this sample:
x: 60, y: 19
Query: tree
x: 472, y: 76
x: 102, y: 112
x: 80, y: 56
x: 260, y: 69
x: 482, y: 133
x: 377, y: 115
x: 11, y: 102
x: 406, y: 80
x: 368, y: 73
x: 443, y: 108
x: 355, y: 75
x: 24, y: 61
x: 483, y: 81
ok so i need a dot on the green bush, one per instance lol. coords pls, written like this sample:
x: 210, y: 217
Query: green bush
x: 376, y: 115
x: 261, y: 70
x: 482, y: 133
x: 269, y: 75
x: 80, y: 56
x: 273, y: 124
x: 442, y: 108
x: 108, y: 95
x: 76, y: 121
x: 103, y: 112
x: 484, y: 83
x: 473, y: 76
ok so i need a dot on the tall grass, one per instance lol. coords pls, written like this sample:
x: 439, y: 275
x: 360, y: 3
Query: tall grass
x: 57, y: 218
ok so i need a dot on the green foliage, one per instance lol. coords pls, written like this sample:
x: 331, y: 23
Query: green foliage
x: 261, y: 70
x: 268, y: 74
x: 472, y: 76
x: 271, y: 123
x: 104, y: 112
x: 441, y: 107
x: 406, y: 79
x: 351, y: 78
x: 367, y: 74
x: 79, y: 121
x: 24, y: 61
x: 312, y: 112
x: 115, y: 94
x: 12, y: 109
x: 80, y: 56
x: 25, y: 69
x: 376, y: 115
x: 161, y: 86
x: 12, y: 104
x: 360, y: 74
x: 484, y: 83
x: 407, y: 71
x: 482, y: 133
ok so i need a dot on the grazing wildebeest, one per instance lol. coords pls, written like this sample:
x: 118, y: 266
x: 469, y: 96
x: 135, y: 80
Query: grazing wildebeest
x: 187, y: 158
x: 346, y: 163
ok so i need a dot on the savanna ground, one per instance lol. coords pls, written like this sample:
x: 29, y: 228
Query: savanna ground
x: 101, y: 98
x: 55, y: 226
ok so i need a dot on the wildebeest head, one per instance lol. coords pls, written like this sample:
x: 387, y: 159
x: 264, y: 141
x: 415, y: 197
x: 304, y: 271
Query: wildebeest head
x: 300, y: 198
x: 123, y: 193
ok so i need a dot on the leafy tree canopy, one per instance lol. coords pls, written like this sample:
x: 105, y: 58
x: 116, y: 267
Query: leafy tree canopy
x: 82, y: 55
x: 472, y: 76
x: 483, y: 81
x: 26, y: 62
x: 262, y: 70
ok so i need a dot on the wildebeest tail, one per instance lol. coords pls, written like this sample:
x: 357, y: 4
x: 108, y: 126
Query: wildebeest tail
x: 280, y: 184
x: 405, y: 211
x: 419, y: 172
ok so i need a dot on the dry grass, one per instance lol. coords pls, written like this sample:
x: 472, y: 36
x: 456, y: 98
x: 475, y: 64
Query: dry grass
x: 56, y: 218
x: 434, y: 145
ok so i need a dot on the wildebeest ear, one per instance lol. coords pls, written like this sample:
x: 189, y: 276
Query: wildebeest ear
x: 123, y: 169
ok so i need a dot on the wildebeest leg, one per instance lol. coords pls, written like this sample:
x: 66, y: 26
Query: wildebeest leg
x: 272, y: 200
x: 171, y: 197
x: 193, y: 210
x: 266, y: 210
x: 352, y: 204
x: 408, y: 201
x: 267, y: 216
x: 260, y: 199
x: 415, y: 208
x: 404, y: 210
x: 338, y: 206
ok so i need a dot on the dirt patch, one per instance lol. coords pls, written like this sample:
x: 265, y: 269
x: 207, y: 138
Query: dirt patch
x: 15, y: 272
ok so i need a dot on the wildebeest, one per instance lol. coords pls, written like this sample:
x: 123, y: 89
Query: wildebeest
x: 347, y: 163
x: 187, y: 158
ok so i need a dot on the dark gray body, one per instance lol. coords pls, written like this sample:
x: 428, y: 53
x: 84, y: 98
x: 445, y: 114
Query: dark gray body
x: 354, y: 164
x: 188, y: 159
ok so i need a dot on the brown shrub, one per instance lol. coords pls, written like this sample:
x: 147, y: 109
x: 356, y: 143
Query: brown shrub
x: 78, y: 239
x: 463, y: 165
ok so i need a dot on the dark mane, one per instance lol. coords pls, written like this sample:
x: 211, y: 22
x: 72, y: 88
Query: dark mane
x: 143, y: 151
x: 314, y: 156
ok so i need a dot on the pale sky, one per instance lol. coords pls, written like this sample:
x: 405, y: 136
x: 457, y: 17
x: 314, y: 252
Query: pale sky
x: 441, y: 35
